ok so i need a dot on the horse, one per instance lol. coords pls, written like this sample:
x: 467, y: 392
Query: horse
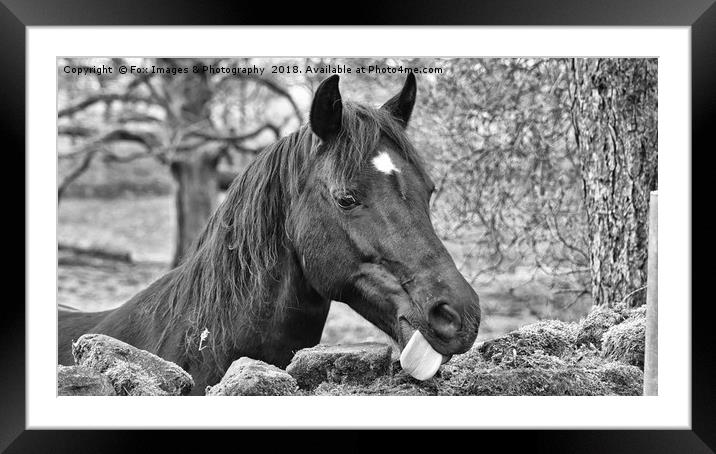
x: 337, y: 210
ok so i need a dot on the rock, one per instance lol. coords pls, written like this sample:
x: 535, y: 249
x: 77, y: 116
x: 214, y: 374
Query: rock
x: 538, y: 359
x: 131, y: 371
x: 533, y: 382
x: 622, y: 379
x: 250, y: 377
x: 550, y: 337
x: 565, y: 380
x: 342, y: 364
x: 597, y: 322
x: 543, y: 375
x: 400, y: 384
x: 82, y: 381
x: 541, y: 359
x: 625, y: 342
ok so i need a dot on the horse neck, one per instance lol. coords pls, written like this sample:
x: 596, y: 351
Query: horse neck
x: 296, y: 316
x: 284, y: 314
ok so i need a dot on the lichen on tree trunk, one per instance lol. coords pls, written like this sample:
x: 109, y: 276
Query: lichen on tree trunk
x: 614, y: 115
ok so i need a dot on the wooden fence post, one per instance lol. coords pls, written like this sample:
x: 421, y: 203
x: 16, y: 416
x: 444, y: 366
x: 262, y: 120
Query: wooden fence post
x: 651, y: 361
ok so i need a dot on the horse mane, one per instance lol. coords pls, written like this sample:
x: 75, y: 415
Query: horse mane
x: 225, y: 282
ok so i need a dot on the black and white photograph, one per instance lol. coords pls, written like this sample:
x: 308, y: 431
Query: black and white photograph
x: 374, y: 226
x: 429, y: 218
x: 449, y: 218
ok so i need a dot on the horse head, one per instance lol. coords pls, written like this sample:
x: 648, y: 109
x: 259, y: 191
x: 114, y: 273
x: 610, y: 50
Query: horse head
x: 362, y: 231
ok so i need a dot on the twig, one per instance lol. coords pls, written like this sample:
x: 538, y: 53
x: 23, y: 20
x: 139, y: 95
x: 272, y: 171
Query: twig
x: 632, y: 294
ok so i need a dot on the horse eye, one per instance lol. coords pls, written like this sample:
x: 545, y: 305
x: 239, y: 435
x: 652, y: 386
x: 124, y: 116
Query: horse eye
x: 347, y: 201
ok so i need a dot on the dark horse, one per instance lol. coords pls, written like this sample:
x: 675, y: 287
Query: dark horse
x: 338, y: 210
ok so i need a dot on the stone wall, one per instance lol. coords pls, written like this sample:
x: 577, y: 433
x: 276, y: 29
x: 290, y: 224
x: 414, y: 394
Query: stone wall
x: 601, y: 355
x: 128, y: 370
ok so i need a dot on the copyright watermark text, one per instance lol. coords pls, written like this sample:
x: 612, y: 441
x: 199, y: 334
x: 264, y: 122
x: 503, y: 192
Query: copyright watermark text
x: 250, y: 70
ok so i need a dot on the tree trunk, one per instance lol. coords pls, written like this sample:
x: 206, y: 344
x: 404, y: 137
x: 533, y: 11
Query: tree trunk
x: 197, y: 177
x: 195, y: 171
x: 614, y: 116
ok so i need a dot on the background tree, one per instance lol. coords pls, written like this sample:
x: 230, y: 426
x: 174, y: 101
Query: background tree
x: 192, y: 122
x: 542, y: 166
x: 503, y: 156
x: 615, y: 124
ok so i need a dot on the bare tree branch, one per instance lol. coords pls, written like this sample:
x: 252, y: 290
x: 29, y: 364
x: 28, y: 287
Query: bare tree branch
x: 98, y: 144
x: 138, y: 118
x: 75, y: 130
x: 102, y: 97
x: 111, y: 157
x: 76, y: 172
x: 146, y: 139
x: 235, y: 138
x: 160, y: 98
x: 273, y: 86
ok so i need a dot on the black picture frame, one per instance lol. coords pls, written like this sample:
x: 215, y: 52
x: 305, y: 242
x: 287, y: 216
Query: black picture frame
x: 16, y: 15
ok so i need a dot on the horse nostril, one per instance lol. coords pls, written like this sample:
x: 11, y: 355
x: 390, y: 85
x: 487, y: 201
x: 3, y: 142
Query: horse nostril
x: 444, y: 320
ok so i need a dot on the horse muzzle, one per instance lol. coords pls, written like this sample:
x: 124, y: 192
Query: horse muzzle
x: 424, y: 350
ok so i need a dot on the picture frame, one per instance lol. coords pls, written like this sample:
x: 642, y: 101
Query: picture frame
x: 15, y: 16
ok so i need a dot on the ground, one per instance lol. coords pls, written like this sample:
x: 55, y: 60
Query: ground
x: 144, y: 226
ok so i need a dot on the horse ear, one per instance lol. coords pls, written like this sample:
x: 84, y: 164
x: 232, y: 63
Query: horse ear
x: 327, y: 109
x: 401, y: 105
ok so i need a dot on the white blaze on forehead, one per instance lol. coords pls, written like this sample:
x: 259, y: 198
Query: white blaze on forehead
x: 384, y: 164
